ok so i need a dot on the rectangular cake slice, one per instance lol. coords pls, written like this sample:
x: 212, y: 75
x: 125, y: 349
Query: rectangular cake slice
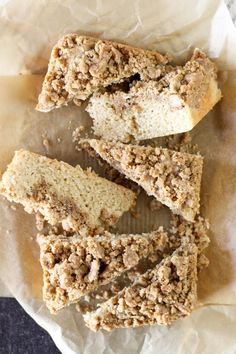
x: 63, y: 193
x: 172, y: 177
x: 160, y: 296
x: 80, y: 65
x: 171, y: 105
x: 74, y: 266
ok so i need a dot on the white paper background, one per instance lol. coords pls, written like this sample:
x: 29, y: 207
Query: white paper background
x: 27, y: 31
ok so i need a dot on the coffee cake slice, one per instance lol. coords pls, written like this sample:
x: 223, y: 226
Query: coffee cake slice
x: 160, y: 296
x: 80, y: 65
x: 64, y: 194
x: 171, y: 105
x: 74, y: 266
x: 174, y: 178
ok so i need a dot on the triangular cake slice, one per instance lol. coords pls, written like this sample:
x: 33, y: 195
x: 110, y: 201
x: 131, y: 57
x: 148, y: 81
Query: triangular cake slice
x: 174, y: 178
x: 74, y: 266
x: 160, y: 296
x: 63, y: 193
x: 80, y: 65
x: 149, y: 109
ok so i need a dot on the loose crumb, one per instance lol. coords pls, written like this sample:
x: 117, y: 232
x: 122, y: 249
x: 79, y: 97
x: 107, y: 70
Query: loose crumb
x: 87, y: 297
x: 182, y: 143
x: 40, y: 222
x: 106, y: 294
x: 69, y: 125
x: 78, y: 307
x: 82, y: 308
x: 155, y: 205
x: 46, y: 142
x: 77, y: 133
x: 115, y: 287
x: 136, y: 215
x: 154, y: 257
x: 133, y: 274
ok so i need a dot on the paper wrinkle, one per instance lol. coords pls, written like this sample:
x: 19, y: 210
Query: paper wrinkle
x: 27, y: 41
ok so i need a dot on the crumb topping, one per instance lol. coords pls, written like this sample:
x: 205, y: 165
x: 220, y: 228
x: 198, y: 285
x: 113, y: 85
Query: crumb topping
x: 81, y: 65
x: 74, y: 266
x: 159, y: 296
x: 173, y: 178
x: 179, y: 81
x: 173, y: 103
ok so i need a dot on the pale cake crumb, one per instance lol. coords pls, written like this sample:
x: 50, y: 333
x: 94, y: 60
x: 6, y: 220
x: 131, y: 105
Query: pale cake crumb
x: 64, y: 194
x: 173, y: 104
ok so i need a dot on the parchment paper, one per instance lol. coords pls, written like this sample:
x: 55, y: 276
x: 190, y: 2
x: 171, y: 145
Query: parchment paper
x: 27, y: 31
